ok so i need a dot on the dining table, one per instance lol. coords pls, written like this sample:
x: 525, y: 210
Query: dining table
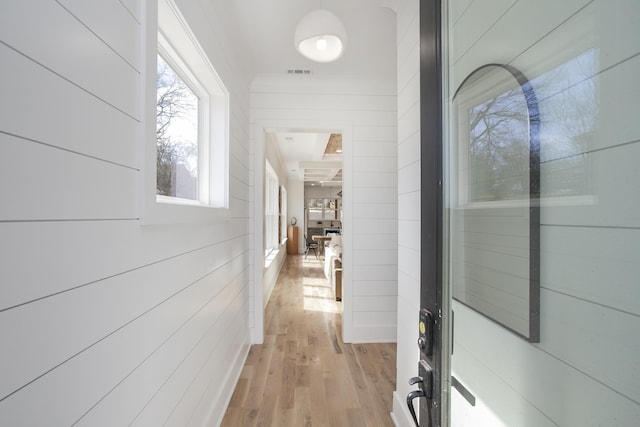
x: 321, y: 239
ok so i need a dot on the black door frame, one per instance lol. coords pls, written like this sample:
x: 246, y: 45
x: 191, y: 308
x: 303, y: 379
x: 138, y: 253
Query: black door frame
x: 432, y: 209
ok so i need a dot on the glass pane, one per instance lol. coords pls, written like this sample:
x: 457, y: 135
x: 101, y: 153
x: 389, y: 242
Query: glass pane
x: 582, y: 63
x: 330, y: 214
x: 315, y: 213
x: 177, y: 135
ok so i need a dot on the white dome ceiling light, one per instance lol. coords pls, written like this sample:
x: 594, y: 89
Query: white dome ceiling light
x: 320, y: 36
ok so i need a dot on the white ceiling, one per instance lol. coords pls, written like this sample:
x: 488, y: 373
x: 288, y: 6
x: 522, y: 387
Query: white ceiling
x: 268, y: 26
x: 303, y: 156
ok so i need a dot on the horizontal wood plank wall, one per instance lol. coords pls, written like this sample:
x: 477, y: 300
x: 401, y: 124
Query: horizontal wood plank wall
x: 104, y: 321
x: 370, y: 107
x: 584, y: 371
x: 408, y: 57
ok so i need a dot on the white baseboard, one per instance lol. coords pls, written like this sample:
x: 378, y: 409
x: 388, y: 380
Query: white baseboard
x: 400, y: 414
x: 371, y: 334
x: 218, y: 411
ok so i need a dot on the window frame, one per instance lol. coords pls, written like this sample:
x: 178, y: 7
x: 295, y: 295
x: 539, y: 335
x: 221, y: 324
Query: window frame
x: 178, y: 66
x: 283, y: 215
x: 167, y: 33
x: 271, y: 210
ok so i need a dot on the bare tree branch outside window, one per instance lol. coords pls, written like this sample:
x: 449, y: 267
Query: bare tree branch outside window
x: 499, y: 148
x: 177, y: 135
x: 498, y: 134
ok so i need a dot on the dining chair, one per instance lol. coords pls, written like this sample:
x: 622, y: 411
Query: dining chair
x: 310, y: 245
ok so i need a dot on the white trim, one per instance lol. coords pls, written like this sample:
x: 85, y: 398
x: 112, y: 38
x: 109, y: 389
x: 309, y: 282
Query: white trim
x: 400, y: 413
x: 257, y: 330
x: 284, y: 213
x: 271, y: 204
x: 217, y: 411
x: 371, y: 334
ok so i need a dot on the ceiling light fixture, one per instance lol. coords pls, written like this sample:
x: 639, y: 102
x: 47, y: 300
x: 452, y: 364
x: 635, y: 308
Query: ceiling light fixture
x: 320, y: 36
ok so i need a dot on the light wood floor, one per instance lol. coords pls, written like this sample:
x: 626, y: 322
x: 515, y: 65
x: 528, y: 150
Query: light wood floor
x: 304, y: 374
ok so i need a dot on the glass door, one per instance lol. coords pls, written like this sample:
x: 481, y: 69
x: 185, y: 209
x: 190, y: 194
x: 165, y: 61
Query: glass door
x: 542, y: 211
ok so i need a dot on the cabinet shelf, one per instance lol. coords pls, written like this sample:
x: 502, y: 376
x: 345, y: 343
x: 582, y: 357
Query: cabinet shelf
x: 324, y: 209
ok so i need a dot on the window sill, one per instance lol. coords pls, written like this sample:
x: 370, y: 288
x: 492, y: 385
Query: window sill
x: 270, y: 257
x: 165, y: 210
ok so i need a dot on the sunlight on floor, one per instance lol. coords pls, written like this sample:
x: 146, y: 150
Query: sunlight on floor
x: 312, y: 262
x: 316, y: 281
x: 318, y: 296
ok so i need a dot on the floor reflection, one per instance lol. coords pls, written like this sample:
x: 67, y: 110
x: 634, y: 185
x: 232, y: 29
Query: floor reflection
x: 317, y: 292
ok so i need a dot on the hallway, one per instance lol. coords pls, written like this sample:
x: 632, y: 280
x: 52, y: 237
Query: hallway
x: 303, y: 374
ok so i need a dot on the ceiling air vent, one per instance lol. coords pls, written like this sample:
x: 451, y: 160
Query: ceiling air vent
x: 298, y: 71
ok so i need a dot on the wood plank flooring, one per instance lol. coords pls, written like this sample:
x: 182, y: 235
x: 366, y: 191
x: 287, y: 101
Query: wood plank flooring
x: 304, y: 374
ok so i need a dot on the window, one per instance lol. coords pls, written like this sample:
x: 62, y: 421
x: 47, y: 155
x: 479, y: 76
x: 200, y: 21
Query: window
x: 271, y: 210
x: 186, y: 160
x: 283, y: 214
x: 177, y: 142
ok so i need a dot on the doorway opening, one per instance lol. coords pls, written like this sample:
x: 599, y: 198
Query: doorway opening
x: 314, y: 164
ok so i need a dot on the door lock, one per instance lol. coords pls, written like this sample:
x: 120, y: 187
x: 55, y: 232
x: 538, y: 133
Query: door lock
x: 425, y: 336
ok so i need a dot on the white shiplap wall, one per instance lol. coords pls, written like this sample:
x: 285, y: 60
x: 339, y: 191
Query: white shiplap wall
x: 584, y: 371
x: 365, y: 111
x: 408, y: 30
x: 104, y: 321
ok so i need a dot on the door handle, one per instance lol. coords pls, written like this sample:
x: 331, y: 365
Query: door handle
x: 425, y: 387
x: 414, y: 394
